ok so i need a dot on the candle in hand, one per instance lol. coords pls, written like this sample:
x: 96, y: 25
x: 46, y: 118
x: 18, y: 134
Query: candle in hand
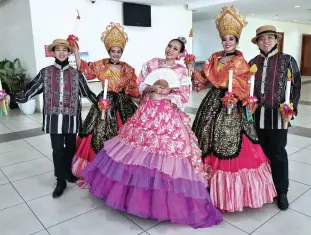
x: 230, y: 80
x: 0, y: 86
x: 190, y: 45
x: 190, y: 41
x: 288, y: 86
x: 252, y: 80
x: 105, y: 88
x: 75, y: 29
x: 287, y: 94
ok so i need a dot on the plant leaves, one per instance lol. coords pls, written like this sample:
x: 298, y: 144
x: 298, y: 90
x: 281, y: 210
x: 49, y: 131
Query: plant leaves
x: 12, y: 74
x: 17, y: 64
x: 9, y: 66
x: 3, y: 71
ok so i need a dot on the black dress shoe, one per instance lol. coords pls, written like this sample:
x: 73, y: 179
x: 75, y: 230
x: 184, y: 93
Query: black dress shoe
x: 60, y: 187
x: 283, y: 202
x: 72, y: 179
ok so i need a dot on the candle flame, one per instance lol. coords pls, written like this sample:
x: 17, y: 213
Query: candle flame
x: 78, y: 16
x: 253, y: 69
x: 289, y: 74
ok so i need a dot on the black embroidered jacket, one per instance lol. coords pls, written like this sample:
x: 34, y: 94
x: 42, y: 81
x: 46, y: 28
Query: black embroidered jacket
x: 62, y: 91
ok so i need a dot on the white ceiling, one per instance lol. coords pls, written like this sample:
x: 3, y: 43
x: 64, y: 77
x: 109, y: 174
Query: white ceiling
x: 263, y: 9
x: 161, y: 2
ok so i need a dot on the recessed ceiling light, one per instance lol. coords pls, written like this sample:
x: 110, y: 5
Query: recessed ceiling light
x: 297, y: 6
x: 295, y: 20
x: 252, y: 14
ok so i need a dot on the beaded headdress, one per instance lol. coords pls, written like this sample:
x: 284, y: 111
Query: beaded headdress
x: 230, y: 22
x: 114, y: 36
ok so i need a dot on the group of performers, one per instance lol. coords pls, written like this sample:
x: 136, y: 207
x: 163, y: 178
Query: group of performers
x: 136, y: 148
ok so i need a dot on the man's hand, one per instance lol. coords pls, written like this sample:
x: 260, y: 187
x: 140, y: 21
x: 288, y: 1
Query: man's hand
x: 289, y: 118
x: 75, y: 49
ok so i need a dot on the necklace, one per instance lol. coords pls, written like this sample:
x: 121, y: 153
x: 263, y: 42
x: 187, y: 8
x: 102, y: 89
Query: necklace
x: 230, y: 54
x: 113, y: 62
x: 167, y: 66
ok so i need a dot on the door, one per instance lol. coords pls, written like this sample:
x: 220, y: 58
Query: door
x: 281, y: 42
x: 305, y: 66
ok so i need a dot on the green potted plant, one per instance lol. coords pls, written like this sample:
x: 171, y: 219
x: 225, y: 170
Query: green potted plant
x: 13, y: 78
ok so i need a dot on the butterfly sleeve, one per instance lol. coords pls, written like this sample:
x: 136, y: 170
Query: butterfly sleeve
x: 180, y: 96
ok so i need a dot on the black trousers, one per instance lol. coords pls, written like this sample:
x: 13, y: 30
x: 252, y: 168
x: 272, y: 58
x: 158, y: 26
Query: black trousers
x: 64, y: 147
x: 273, y: 143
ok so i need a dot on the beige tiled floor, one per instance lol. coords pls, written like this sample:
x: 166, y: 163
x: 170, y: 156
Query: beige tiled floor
x: 27, y: 181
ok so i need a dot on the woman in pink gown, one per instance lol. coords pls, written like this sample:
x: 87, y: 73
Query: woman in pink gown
x: 153, y: 168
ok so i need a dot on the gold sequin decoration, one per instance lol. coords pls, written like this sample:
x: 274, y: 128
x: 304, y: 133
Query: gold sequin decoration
x: 218, y: 132
x: 106, y: 129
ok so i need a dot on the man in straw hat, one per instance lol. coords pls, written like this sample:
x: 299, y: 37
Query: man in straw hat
x: 270, y: 87
x: 62, y: 88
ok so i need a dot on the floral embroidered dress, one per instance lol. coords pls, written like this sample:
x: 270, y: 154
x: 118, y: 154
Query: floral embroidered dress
x: 240, y: 171
x: 121, y: 87
x: 153, y: 168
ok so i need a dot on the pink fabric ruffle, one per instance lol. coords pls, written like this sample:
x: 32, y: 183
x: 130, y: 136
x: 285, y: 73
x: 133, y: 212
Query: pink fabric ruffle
x: 244, y: 181
x: 148, y: 193
x: 84, y: 155
x: 247, y: 188
x: 175, y: 167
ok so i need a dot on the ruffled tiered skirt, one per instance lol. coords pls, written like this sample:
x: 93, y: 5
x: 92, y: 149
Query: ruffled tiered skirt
x: 153, y: 169
x: 96, y: 130
x: 240, y: 171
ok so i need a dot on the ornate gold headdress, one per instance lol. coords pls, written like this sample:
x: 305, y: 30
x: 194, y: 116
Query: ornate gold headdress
x: 230, y: 22
x: 114, y: 36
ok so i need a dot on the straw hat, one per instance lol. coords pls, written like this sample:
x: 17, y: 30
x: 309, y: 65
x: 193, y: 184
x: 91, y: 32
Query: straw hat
x: 59, y: 42
x: 264, y: 30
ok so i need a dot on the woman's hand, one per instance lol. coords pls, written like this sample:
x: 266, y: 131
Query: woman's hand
x: 158, y: 89
x: 155, y: 96
x: 155, y: 88
x: 190, y: 67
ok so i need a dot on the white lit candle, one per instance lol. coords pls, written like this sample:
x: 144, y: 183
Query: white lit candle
x: 230, y: 80
x: 105, y: 97
x: 190, y: 49
x: 190, y: 45
x: 252, y: 80
x: 287, y: 94
x: 105, y: 88
x: 0, y: 86
x: 75, y: 29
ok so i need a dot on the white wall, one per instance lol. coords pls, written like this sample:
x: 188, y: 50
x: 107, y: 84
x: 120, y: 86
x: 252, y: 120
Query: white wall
x: 206, y: 38
x: 144, y: 43
x: 16, y: 39
x: 55, y: 19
